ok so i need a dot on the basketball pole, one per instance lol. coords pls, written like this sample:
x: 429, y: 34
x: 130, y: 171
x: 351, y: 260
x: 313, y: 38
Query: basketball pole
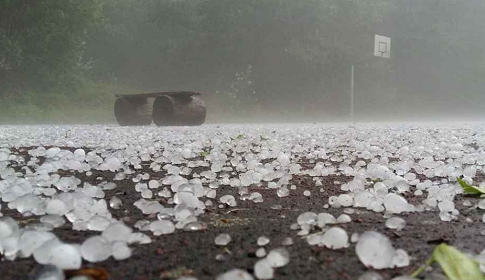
x: 352, y: 94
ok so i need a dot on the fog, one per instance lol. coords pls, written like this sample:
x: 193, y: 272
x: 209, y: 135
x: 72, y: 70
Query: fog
x: 253, y: 60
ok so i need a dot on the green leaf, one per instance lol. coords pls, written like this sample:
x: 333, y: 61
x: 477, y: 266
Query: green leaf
x: 455, y: 264
x: 240, y: 136
x: 469, y: 189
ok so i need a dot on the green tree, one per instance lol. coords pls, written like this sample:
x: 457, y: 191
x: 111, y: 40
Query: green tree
x: 42, y: 42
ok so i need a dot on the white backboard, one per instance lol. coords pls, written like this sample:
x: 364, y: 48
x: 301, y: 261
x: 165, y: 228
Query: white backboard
x: 382, y: 46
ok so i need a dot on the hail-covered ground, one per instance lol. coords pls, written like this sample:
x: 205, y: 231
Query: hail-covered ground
x: 231, y: 202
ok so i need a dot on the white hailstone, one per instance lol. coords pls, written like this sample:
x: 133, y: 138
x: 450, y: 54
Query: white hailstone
x: 325, y: 219
x: 402, y: 186
x: 235, y: 274
x: 263, y: 269
x: 307, y: 218
x: 54, y: 220
x: 187, y: 198
x: 261, y: 252
x: 211, y: 193
x: 117, y: 232
x: 263, y: 241
x: 195, y: 226
x: 456, y: 147
x: 162, y: 227
x: 235, y: 183
x: 139, y: 238
x: 229, y: 200
x: 278, y: 257
x: 186, y: 153
x: 381, y: 189
x: 74, y: 165
x: 283, y: 192
x: 354, y: 237
x: 363, y: 199
x: 43, y: 254
x: 109, y: 186
x: 446, y: 206
x: 283, y: 160
x: 153, y: 184
x: 287, y: 241
x: 272, y: 185
x: 115, y: 202
x: 345, y: 200
x: 395, y: 203
x: 96, y: 249
x: 120, y: 176
x: 183, y: 213
x: 410, y: 176
x: 113, y: 164
x: 31, y: 240
x: 147, y: 194
x: 314, y: 239
x: 400, y: 259
x: 220, y: 257
x: 222, y: 239
x: 56, y: 207
x: 371, y: 275
x: 349, y: 211
x: 446, y: 217
x: 98, y: 223
x: 79, y: 153
x: 209, y: 203
x: 65, y: 256
x: 333, y: 201
x: 344, y: 219
x: 48, y: 272
x: 121, y: 251
x: 396, y: 223
x: 8, y: 227
x: 375, y: 250
x: 142, y: 225
x: 305, y: 230
x: 307, y: 193
x: 52, y: 152
x: 256, y: 197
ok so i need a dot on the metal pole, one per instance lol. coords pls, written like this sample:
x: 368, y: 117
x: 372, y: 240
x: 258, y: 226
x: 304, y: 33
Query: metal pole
x: 352, y: 95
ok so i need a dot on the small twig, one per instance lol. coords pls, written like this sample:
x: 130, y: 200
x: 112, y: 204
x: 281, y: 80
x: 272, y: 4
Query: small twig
x: 227, y: 251
x: 236, y: 209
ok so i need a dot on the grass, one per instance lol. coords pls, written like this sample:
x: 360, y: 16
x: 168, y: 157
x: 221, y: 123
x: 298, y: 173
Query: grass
x: 92, y: 104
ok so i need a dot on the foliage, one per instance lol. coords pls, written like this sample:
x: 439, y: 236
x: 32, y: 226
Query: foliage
x: 455, y: 264
x: 279, y: 57
x: 469, y: 189
x: 42, y: 42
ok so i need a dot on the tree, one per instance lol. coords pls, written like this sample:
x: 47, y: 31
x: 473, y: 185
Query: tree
x: 42, y: 42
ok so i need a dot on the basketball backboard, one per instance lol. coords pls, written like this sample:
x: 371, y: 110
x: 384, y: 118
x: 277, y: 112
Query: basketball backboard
x: 382, y: 46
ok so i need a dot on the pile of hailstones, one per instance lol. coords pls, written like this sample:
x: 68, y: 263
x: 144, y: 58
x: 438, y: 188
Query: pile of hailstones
x: 54, y: 198
x: 44, y: 193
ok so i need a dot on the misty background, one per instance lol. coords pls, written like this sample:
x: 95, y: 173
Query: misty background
x: 62, y: 61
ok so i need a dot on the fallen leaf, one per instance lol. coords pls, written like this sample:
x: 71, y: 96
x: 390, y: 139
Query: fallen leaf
x: 455, y: 264
x: 94, y: 273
